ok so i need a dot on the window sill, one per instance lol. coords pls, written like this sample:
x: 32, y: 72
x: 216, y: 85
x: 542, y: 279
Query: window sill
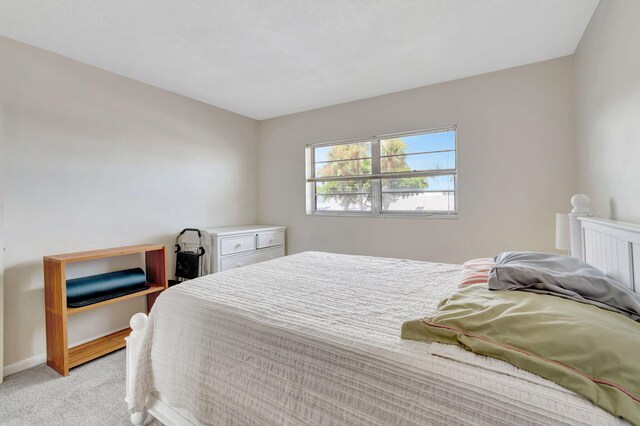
x: 387, y: 215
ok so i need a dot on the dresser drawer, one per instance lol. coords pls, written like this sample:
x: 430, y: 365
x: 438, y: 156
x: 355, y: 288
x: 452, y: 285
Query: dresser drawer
x: 271, y: 253
x: 269, y: 239
x: 237, y: 244
x: 233, y: 262
x: 245, y: 259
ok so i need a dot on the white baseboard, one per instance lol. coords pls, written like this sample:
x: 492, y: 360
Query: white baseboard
x: 42, y: 358
x: 24, y: 364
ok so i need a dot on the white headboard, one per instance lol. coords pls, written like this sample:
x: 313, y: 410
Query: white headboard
x: 611, y: 246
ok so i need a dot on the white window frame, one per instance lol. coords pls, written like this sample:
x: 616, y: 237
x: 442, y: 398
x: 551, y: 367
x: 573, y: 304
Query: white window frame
x: 376, y: 176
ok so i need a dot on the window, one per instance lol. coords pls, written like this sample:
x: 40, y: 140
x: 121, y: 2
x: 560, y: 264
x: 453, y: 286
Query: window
x: 410, y: 173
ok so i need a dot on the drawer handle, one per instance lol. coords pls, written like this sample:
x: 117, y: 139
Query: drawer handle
x: 238, y: 245
x: 270, y: 240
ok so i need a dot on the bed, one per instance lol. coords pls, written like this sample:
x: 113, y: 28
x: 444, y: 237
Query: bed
x: 313, y: 338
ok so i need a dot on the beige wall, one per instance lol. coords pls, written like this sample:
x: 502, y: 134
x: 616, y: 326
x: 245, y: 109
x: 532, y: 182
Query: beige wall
x: 608, y: 110
x: 516, y: 148
x: 1, y: 241
x: 95, y: 160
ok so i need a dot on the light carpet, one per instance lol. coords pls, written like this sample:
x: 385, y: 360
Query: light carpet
x: 92, y: 395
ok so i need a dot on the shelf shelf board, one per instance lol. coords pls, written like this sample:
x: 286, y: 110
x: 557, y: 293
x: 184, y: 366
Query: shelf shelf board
x: 154, y: 288
x: 97, y: 348
x: 100, y: 254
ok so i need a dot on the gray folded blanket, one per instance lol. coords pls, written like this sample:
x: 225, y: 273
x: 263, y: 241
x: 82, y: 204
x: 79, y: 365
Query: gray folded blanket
x: 562, y: 276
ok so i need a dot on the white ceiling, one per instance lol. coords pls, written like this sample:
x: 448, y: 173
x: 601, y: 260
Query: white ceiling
x: 265, y: 58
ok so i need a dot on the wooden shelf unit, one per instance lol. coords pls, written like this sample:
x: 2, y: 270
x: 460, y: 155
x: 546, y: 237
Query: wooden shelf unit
x: 59, y: 356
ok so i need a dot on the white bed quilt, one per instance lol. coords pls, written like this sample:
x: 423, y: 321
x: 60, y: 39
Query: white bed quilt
x: 314, y: 339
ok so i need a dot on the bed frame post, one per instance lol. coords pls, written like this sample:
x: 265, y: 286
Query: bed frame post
x: 580, y: 203
x: 138, y: 323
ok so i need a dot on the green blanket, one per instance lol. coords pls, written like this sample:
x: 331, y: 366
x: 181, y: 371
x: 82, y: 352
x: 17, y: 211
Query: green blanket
x: 589, y: 350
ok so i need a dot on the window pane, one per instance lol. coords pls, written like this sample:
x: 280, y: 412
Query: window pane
x: 348, y: 151
x: 340, y: 187
x: 428, y: 142
x: 346, y: 195
x: 418, y: 162
x: 415, y: 184
x: 355, y: 202
x: 419, y: 201
x: 343, y: 168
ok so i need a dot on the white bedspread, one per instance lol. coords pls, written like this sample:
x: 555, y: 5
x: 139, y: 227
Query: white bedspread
x: 314, y: 338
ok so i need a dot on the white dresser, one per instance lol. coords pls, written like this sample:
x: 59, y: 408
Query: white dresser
x: 237, y: 246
